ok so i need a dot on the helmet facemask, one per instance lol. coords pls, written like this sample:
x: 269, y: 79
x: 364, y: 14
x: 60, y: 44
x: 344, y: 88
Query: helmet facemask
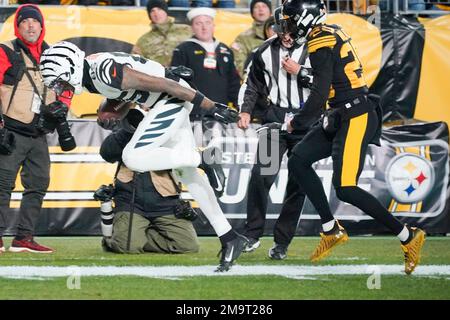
x: 62, y: 87
x: 306, y: 15
x: 285, y: 25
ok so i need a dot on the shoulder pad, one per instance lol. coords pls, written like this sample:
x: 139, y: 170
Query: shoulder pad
x: 322, y: 31
x: 321, y: 37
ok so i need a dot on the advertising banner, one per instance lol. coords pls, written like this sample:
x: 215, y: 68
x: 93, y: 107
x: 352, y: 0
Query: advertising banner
x: 408, y: 174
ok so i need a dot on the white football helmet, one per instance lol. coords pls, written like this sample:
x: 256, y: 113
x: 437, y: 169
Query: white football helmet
x: 62, y: 65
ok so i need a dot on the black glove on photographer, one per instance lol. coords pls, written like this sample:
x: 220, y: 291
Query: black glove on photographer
x: 51, y: 115
x: 7, y: 141
x: 58, y: 110
x: 54, y: 116
x: 224, y: 114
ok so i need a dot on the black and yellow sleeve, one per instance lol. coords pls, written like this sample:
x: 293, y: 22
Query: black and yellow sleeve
x: 321, y: 37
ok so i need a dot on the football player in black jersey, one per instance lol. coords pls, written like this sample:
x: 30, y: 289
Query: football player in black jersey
x: 351, y: 122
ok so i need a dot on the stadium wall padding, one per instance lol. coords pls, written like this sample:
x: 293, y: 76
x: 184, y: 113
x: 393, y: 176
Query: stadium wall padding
x: 409, y: 174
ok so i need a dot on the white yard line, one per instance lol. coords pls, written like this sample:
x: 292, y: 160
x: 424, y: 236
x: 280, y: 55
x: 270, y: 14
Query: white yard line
x: 208, y: 270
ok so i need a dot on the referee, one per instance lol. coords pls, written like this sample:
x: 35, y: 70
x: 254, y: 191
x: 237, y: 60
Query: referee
x: 278, y: 74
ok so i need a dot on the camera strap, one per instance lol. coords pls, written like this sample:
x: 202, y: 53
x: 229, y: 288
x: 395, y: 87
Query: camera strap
x: 24, y: 70
x: 2, y: 121
x: 35, y: 89
x: 176, y: 185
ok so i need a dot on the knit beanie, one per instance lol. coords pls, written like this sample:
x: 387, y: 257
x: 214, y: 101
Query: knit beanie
x: 254, y: 2
x: 29, y: 12
x: 157, y: 4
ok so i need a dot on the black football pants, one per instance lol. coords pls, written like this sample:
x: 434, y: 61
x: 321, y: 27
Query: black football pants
x: 348, y: 148
x: 264, y: 173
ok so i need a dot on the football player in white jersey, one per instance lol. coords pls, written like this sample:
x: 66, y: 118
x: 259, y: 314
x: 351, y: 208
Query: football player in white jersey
x: 163, y: 139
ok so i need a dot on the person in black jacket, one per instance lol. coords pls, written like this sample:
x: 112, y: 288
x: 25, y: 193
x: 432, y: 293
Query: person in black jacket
x: 215, y: 74
x: 146, y: 200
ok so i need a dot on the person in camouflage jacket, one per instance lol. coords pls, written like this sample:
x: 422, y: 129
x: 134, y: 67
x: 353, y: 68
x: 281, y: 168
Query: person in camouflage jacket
x: 165, y: 35
x: 252, y: 38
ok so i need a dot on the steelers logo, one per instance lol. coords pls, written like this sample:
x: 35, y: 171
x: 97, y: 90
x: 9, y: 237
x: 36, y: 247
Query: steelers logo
x: 409, y: 177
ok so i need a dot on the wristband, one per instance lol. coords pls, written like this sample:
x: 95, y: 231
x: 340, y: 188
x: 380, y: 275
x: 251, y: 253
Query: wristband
x: 198, y: 99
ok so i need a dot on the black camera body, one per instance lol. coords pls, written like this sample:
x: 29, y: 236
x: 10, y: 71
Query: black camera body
x: 7, y: 142
x: 185, y: 211
x: 54, y: 116
x: 104, y: 193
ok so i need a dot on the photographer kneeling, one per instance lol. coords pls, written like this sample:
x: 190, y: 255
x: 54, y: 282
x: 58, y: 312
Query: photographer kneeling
x: 149, y: 215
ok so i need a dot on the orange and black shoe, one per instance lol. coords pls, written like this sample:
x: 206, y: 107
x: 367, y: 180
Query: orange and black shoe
x: 412, y: 249
x: 329, y: 241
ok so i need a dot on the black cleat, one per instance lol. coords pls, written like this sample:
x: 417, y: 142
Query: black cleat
x: 278, y: 252
x: 252, y: 245
x: 211, y: 165
x: 230, y: 252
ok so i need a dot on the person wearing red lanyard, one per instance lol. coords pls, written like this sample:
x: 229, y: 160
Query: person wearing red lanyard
x: 215, y: 73
x: 24, y: 103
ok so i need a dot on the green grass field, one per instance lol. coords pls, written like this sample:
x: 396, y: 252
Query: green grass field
x: 86, y: 252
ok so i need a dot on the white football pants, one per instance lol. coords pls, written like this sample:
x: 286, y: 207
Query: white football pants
x: 164, y: 140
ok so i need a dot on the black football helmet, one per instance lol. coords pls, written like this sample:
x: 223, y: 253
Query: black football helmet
x: 298, y: 17
x: 283, y: 24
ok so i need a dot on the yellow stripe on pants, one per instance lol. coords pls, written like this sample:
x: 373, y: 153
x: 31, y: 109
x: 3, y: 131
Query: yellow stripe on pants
x: 352, y: 150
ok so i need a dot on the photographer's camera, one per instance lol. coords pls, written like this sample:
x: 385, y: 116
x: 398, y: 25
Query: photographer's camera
x: 54, y: 116
x: 105, y: 194
x: 7, y: 140
x: 185, y: 211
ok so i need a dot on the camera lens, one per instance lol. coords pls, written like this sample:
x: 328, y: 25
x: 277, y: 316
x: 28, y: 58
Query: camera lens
x: 65, y: 138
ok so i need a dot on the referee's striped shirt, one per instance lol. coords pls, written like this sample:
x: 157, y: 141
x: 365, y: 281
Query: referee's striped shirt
x: 267, y: 77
